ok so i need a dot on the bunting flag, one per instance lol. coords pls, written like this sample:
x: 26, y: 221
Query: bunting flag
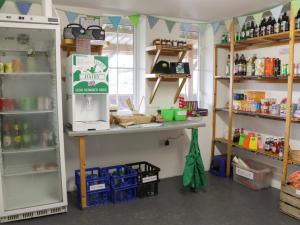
x: 202, y: 27
x: 276, y: 11
x: 170, y: 24
x: 115, y: 20
x: 257, y: 17
x: 23, y: 7
x: 186, y: 27
x: 215, y: 26
x: 152, y: 21
x: 242, y: 20
x: 2, y: 3
x: 72, y: 16
x: 134, y: 19
x: 295, y: 7
x: 228, y: 24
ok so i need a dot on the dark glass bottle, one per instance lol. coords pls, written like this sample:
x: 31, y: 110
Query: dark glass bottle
x: 262, y: 30
x: 236, y: 65
x: 269, y: 25
x: 252, y: 30
x: 297, y: 20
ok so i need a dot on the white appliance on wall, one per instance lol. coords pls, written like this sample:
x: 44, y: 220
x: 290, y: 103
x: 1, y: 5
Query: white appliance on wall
x: 32, y: 162
x: 88, y: 88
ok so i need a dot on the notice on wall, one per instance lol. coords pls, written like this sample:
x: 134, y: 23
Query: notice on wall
x: 90, y: 74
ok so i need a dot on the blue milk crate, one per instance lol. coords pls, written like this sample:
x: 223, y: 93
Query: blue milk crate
x: 97, y: 186
x: 121, y: 176
x: 119, y: 195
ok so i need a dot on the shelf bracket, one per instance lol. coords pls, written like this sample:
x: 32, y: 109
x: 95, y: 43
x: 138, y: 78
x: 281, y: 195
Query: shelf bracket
x: 182, y: 55
x: 155, y: 89
x: 155, y: 59
x: 179, y: 89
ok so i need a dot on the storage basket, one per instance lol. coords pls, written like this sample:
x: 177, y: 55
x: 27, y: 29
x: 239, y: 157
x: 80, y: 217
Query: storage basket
x: 97, y: 186
x: 167, y: 114
x: 259, y: 175
x: 119, y: 195
x: 148, y: 178
x: 180, y: 114
x: 121, y: 176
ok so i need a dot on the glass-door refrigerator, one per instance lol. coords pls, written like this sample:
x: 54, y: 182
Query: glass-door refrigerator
x: 32, y: 181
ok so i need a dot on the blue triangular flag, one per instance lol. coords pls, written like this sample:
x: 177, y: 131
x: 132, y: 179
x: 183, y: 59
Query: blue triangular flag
x: 152, y: 21
x: 23, y: 7
x: 215, y: 26
x: 72, y: 16
x: 170, y: 24
x: 186, y: 27
x: 276, y: 11
x: 115, y: 21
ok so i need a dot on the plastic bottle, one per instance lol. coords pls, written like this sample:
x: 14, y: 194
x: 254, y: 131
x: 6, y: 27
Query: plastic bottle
x: 228, y: 66
x: 17, y: 138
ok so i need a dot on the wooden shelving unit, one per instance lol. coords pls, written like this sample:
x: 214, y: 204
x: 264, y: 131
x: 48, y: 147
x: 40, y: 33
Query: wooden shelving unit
x: 290, y: 197
x: 158, y: 51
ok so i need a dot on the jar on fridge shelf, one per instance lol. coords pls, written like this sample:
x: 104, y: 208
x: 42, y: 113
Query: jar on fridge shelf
x: 265, y: 104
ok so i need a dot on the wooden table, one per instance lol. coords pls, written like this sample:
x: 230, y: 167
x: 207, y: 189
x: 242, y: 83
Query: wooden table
x: 119, y: 130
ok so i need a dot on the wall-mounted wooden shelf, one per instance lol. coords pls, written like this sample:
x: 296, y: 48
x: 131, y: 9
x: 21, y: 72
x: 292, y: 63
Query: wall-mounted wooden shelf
x: 266, y: 79
x: 264, y: 153
x: 258, y: 115
x: 158, y: 51
x: 262, y: 41
x: 69, y: 46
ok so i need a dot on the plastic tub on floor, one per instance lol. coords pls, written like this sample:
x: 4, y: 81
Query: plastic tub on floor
x: 258, y: 177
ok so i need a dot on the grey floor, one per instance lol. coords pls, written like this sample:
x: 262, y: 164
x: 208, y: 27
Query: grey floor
x: 224, y: 203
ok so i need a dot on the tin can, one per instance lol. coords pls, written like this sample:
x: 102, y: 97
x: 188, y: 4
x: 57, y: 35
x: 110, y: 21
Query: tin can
x: 274, y: 109
x: 259, y: 67
x: 40, y: 103
x: 47, y: 103
x: 8, y: 67
x: 1, y: 67
x: 284, y: 69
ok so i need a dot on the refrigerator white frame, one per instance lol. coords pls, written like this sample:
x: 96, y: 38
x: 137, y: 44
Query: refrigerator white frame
x: 56, y: 29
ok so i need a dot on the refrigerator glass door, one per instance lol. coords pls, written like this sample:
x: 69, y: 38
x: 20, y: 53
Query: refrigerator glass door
x: 30, y: 153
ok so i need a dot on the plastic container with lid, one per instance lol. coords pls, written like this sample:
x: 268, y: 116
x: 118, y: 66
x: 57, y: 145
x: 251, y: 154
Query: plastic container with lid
x: 258, y: 176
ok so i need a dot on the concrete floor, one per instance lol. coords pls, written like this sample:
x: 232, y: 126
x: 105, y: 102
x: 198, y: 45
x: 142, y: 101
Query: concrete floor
x: 224, y: 203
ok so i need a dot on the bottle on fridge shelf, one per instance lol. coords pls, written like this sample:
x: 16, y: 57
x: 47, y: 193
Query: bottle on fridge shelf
x: 17, y: 137
x: 26, y: 135
x: 242, y: 66
x: 228, y: 66
x: 7, y: 141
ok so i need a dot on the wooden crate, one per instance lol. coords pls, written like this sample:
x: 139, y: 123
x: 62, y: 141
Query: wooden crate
x: 290, y: 201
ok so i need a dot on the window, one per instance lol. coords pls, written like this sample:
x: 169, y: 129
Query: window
x: 191, y: 89
x: 120, y: 51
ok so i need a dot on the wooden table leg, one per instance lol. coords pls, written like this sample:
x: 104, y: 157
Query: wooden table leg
x: 82, y: 155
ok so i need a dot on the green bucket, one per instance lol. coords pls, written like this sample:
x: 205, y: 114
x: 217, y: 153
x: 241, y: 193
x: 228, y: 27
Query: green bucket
x: 167, y: 114
x: 180, y: 114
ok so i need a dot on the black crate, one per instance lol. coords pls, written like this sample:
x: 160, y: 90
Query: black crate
x: 148, y: 178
